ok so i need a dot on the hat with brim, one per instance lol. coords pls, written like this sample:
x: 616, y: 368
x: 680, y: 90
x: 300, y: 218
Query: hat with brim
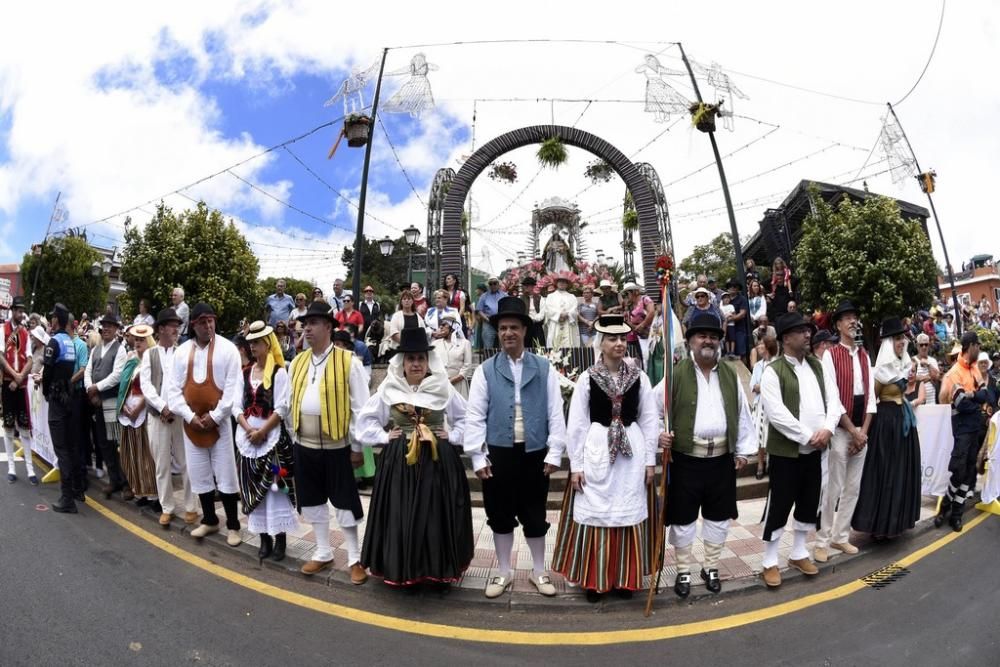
x: 59, y: 310
x: 413, y: 339
x: 702, y: 290
x: 631, y: 287
x: 108, y: 319
x: 825, y: 336
x: 528, y: 281
x: 318, y: 309
x: 704, y: 323
x: 983, y: 356
x: 605, y: 283
x: 563, y: 279
x: 892, y: 326
x: 202, y: 311
x: 510, y: 307
x: 341, y: 336
x: 613, y: 325
x: 258, y: 329
x: 18, y: 302
x: 844, y: 308
x: 40, y: 334
x: 955, y: 350
x: 789, y: 322
x: 141, y: 331
x: 168, y: 316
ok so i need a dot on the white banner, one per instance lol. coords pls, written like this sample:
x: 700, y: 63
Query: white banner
x: 41, y: 441
x: 936, y: 442
x: 991, y: 487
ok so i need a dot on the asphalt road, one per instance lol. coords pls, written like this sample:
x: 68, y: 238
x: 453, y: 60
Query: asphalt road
x: 79, y: 590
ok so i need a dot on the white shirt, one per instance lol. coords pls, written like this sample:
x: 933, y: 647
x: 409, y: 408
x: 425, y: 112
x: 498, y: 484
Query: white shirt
x: 357, y: 387
x: 157, y: 400
x: 859, y: 383
x: 116, y: 371
x: 225, y: 373
x: 456, y: 354
x: 478, y: 406
x: 813, y: 414
x: 281, y: 397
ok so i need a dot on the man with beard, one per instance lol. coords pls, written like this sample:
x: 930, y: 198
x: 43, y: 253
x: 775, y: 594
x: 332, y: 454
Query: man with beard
x: 712, y: 439
x: 16, y: 365
x: 801, y: 404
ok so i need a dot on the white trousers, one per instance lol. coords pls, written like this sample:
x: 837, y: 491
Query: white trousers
x: 212, y: 467
x: 842, y: 487
x: 166, y: 444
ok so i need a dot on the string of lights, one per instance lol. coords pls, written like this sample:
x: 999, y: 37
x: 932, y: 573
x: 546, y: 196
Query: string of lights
x: 399, y: 163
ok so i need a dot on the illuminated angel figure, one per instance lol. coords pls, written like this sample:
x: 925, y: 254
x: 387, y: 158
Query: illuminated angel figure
x: 661, y: 98
x: 723, y: 86
x: 901, y: 163
x: 414, y: 96
x: 352, y: 86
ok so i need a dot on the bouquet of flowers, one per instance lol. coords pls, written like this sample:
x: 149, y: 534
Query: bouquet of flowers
x: 568, y: 375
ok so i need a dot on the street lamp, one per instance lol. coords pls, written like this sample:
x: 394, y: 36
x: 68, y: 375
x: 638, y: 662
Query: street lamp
x: 386, y: 246
x: 96, y: 269
x: 600, y: 257
x: 520, y: 258
x: 412, y: 235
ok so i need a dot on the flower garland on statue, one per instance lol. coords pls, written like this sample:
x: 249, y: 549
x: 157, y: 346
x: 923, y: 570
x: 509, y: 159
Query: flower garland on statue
x: 568, y: 375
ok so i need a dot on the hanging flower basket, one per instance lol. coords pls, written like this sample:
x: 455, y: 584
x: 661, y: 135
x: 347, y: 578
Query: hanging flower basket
x: 703, y: 115
x: 599, y: 171
x: 356, y: 127
x: 552, y: 153
x: 503, y: 171
x: 630, y: 220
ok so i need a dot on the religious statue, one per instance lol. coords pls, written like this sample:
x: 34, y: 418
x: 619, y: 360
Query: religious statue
x: 556, y: 254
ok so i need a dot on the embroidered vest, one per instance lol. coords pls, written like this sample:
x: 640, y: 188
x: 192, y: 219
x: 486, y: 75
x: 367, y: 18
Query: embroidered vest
x: 534, y: 401
x: 684, y: 400
x: 777, y: 443
x: 843, y: 365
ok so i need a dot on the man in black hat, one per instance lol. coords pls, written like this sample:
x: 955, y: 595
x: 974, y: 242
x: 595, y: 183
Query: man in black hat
x: 712, y: 439
x: 204, y: 386
x: 16, y: 365
x: 822, y: 342
x: 535, y: 304
x: 515, y: 435
x: 166, y: 435
x: 104, y: 371
x: 329, y: 390
x: 851, y: 370
x: 57, y: 387
x: 800, y: 402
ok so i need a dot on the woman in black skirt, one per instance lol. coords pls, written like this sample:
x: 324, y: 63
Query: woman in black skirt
x: 420, y: 519
x: 889, y: 499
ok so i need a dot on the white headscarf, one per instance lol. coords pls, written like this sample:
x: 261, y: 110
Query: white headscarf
x: 888, y: 367
x: 433, y: 392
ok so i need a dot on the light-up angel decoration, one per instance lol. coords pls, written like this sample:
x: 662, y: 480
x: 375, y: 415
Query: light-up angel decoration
x: 351, y: 90
x: 661, y: 98
x: 901, y: 162
x: 723, y: 86
x: 414, y: 96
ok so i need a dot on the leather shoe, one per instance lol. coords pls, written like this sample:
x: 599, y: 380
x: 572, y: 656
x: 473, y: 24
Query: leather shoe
x: 593, y: 597
x: 33, y: 480
x: 682, y: 584
x: 233, y: 537
x: 846, y: 547
x: 820, y: 555
x: 111, y: 489
x: 127, y: 494
x: 279, y: 547
x: 772, y: 577
x: 498, y: 585
x: 190, y: 517
x: 165, y: 519
x: 804, y: 565
x: 358, y: 574
x: 543, y: 583
x: 80, y: 497
x: 711, y: 579
x: 11, y: 478
x: 956, y: 523
x: 314, y: 566
x: 266, y: 546
x: 204, y: 530
x: 64, y: 506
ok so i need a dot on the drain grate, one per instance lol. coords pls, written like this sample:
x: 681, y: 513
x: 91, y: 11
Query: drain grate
x: 881, y: 578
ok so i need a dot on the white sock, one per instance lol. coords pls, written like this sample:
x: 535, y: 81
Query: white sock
x: 504, y: 545
x: 322, y: 531
x: 712, y: 552
x: 351, y: 542
x: 29, y: 464
x: 799, y: 545
x: 537, y: 546
x: 8, y: 445
x: 684, y: 559
x: 771, y: 552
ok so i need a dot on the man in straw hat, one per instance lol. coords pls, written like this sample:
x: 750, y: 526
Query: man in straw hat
x: 851, y: 370
x: 57, y: 387
x: 329, y: 390
x: 515, y: 435
x: 16, y: 365
x: 101, y: 379
x: 800, y: 402
x: 204, y: 386
x: 166, y: 434
x: 713, y: 436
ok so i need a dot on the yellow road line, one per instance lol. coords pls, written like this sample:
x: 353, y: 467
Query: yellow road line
x: 486, y: 635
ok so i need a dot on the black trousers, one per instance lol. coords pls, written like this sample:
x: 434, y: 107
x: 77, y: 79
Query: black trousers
x: 79, y: 434
x: 517, y: 491
x: 793, y: 482
x: 962, y: 467
x: 67, y: 455
x: 109, y: 450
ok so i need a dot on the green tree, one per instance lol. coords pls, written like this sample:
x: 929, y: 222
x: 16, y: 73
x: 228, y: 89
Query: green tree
x: 65, y: 275
x: 199, y: 251
x: 386, y: 274
x: 717, y: 258
x: 868, y: 253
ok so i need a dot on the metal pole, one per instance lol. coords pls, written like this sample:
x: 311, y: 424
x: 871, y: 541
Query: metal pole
x: 740, y: 269
x: 359, y: 237
x: 409, y: 265
x: 944, y: 247
x: 41, y: 256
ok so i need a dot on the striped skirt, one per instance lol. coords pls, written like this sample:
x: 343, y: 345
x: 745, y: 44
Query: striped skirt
x: 603, y: 558
x: 137, y: 461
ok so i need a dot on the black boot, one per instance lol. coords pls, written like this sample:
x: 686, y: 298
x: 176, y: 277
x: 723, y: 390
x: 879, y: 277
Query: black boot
x: 943, y: 513
x: 279, y: 547
x: 266, y: 546
x: 64, y: 505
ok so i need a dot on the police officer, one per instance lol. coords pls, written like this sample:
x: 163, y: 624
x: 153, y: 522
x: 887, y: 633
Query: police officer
x: 57, y: 386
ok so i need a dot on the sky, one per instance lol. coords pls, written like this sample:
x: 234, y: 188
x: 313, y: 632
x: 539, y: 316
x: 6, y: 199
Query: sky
x: 121, y: 108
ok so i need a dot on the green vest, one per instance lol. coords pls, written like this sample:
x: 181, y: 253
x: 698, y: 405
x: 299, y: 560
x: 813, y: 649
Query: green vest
x: 777, y: 443
x: 684, y: 401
